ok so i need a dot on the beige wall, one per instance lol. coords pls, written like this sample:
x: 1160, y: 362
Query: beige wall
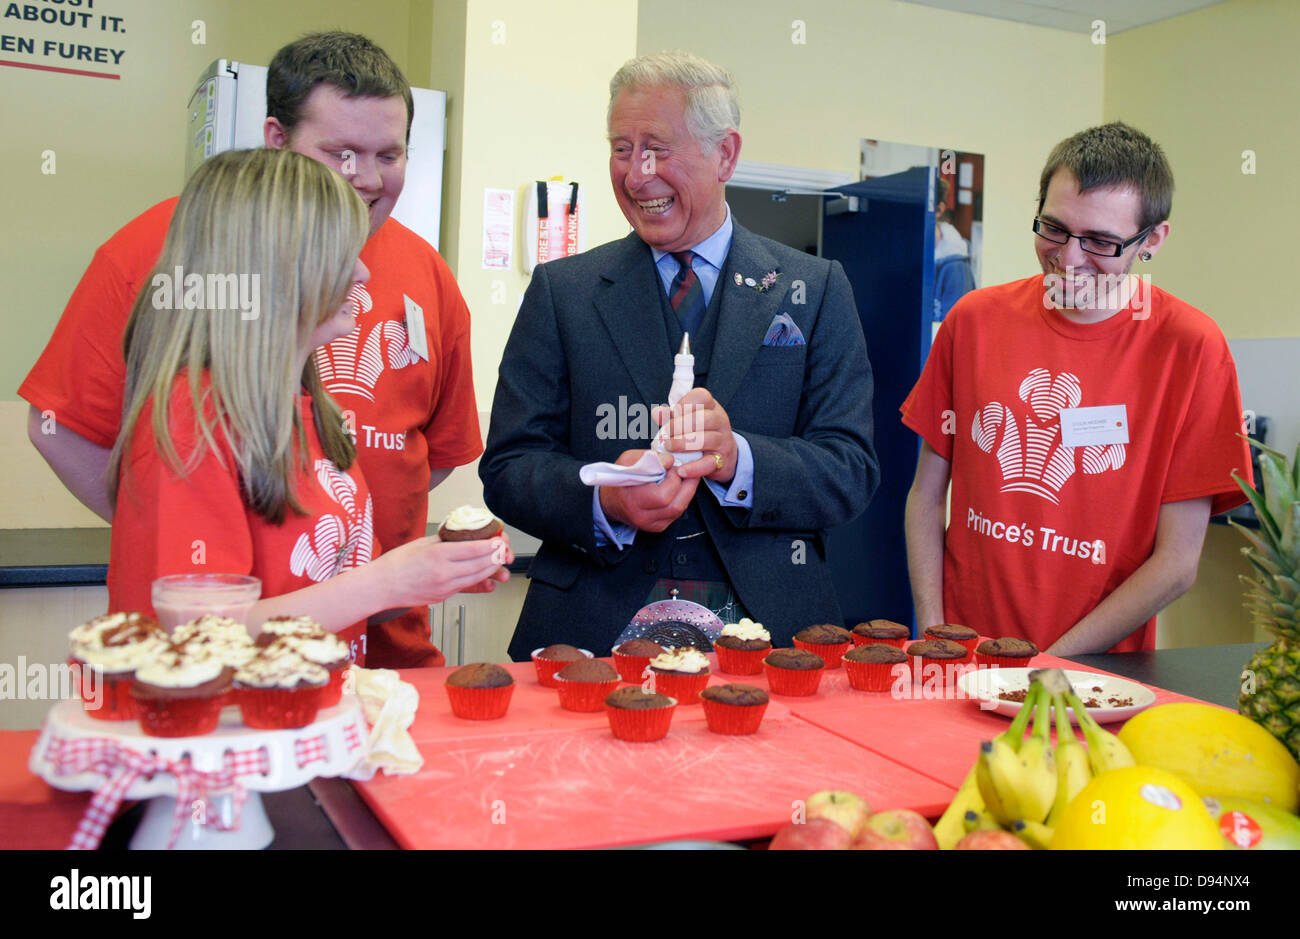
x: 903, y: 73
x: 1208, y: 86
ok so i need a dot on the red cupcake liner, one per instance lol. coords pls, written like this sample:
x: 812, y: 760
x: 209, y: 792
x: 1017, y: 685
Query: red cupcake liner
x: 480, y: 704
x: 278, y: 708
x: 179, y: 717
x: 640, y: 725
x: 114, y: 692
x: 584, y: 695
x: 732, y: 718
x: 874, y: 676
x: 333, y: 692
x: 1003, y: 661
x: 546, y: 668
x: 793, y: 681
x: 953, y: 669
x: 864, y: 640
x: 632, y: 667
x: 741, y: 661
x: 831, y: 652
x: 685, y: 688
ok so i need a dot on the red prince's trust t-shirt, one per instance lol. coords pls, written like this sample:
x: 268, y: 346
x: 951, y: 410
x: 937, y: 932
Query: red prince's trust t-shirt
x: 1040, y: 533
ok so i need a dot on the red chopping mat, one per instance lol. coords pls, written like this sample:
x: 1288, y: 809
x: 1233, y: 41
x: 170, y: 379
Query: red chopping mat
x: 33, y: 814
x: 937, y: 737
x: 585, y: 789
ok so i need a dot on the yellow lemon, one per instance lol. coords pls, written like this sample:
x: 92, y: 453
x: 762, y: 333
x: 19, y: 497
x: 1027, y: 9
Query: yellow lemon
x: 1217, y: 752
x: 1137, y: 807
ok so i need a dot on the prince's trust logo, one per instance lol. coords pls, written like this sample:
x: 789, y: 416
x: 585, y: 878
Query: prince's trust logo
x: 354, y: 363
x: 1028, y: 447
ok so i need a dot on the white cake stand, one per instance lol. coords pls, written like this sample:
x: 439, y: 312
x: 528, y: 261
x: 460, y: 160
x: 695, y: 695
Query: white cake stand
x: 267, y: 761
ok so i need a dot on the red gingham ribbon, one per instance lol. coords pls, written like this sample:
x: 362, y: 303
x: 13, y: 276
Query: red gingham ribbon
x: 123, y: 766
x: 309, y: 750
x: 352, y: 737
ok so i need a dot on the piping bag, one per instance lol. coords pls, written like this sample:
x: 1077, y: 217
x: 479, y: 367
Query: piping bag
x: 648, y: 469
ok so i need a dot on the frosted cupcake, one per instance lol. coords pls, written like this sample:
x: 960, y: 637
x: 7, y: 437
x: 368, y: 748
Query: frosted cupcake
x: 741, y: 648
x: 680, y: 673
x: 469, y: 523
x: 330, y: 653
x: 107, y: 651
x: 216, y: 638
x: 180, y: 696
x: 279, y: 626
x: 279, y: 689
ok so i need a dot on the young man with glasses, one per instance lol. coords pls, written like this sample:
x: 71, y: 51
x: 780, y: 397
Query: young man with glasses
x: 1087, y: 420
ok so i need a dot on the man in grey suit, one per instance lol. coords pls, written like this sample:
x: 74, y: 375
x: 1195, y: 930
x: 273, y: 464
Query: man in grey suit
x: 781, y: 406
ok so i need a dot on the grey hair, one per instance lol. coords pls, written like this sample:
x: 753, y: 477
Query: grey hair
x: 712, y: 104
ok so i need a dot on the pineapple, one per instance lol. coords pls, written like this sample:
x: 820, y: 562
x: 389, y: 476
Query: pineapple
x: 1270, y: 692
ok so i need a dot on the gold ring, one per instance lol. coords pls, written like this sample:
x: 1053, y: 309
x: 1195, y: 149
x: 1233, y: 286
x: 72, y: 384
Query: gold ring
x: 718, y: 461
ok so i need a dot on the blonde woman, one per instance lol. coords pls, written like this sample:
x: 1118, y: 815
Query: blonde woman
x: 232, y: 458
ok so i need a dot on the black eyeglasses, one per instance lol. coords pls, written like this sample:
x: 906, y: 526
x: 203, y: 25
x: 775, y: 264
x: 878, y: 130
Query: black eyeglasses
x: 1102, y: 247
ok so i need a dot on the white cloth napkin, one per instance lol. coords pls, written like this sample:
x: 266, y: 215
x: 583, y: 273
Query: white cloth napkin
x: 389, y: 706
x: 648, y: 469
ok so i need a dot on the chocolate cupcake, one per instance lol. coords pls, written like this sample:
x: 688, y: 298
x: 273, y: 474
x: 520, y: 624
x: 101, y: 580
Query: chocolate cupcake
x: 480, y: 692
x: 680, y: 673
x: 954, y: 633
x: 178, y: 696
x: 929, y: 653
x: 279, y: 689
x: 640, y: 647
x: 468, y: 523
x: 793, y: 671
x: 552, y: 658
x: 881, y: 630
x: 741, y: 648
x: 639, y: 716
x: 1009, y: 652
x: 632, y: 657
x: 733, y: 709
x: 875, y: 666
x: 827, y: 640
x: 583, y: 685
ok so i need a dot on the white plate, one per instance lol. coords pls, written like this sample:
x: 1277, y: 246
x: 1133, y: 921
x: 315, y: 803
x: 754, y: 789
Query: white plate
x: 986, y: 684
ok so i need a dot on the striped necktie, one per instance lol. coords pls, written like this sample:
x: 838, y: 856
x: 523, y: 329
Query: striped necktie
x: 686, y: 294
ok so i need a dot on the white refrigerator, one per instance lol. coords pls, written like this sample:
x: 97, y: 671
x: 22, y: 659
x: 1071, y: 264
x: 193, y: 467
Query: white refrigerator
x: 228, y: 108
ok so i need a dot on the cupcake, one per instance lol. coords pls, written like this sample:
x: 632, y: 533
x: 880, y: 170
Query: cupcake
x: 733, y: 709
x: 741, y: 648
x: 953, y: 633
x: 793, y: 671
x: 639, y: 716
x: 928, y: 653
x: 583, y: 685
x: 881, y: 630
x: 330, y: 653
x: 551, y: 659
x: 279, y: 626
x: 826, y: 640
x: 106, y: 653
x: 480, y: 692
x: 217, y: 638
x: 468, y: 523
x: 680, y: 673
x: 875, y: 666
x: 632, y: 657
x: 279, y: 689
x: 179, y: 696
x: 1008, y: 652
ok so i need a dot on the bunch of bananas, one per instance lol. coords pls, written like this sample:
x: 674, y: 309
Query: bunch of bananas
x: 1023, y: 784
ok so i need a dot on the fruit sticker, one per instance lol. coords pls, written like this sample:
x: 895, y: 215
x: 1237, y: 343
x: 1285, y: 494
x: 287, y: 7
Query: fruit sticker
x: 1160, y: 797
x: 1240, y: 829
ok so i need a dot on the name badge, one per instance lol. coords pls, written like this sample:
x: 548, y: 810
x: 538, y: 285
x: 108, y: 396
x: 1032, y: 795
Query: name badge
x: 415, y: 334
x: 1088, y: 427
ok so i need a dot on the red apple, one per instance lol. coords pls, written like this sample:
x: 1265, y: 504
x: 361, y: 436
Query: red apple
x: 816, y: 834
x: 897, y: 830
x: 989, y: 840
x: 847, y: 810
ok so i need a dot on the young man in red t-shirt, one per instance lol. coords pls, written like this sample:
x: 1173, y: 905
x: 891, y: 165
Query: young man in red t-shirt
x: 1088, y: 423
x: 339, y: 99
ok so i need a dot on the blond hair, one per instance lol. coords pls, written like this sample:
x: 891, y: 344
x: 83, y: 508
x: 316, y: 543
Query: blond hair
x: 293, y: 229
